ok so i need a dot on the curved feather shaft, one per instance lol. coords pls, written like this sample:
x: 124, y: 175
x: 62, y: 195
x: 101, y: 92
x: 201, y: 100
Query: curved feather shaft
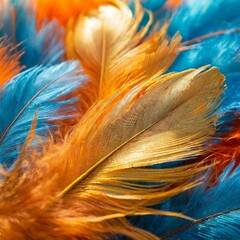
x: 220, y: 220
x: 127, y: 123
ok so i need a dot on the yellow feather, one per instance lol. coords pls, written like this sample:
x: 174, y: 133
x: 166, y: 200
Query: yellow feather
x: 112, y: 50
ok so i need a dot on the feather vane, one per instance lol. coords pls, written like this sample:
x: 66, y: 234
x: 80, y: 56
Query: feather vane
x: 42, y: 47
x: 100, y: 162
x: 39, y: 89
x: 215, y: 221
x: 112, y: 51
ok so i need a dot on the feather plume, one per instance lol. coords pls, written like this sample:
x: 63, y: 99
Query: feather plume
x: 99, y: 175
x: 112, y: 51
x: 41, y: 89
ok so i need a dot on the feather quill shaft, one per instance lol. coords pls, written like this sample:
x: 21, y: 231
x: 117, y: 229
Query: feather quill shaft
x: 200, y: 221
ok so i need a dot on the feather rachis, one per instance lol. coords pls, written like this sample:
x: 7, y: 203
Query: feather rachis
x: 77, y: 138
x: 219, y: 221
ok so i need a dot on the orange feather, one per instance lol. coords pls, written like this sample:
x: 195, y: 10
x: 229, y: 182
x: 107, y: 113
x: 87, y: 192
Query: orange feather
x: 225, y: 152
x: 9, y: 62
x: 173, y: 4
x: 112, y: 50
x: 64, y: 10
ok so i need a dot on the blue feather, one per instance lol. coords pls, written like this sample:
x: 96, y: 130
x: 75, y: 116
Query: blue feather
x: 225, y: 226
x: 39, y: 88
x: 232, y: 93
x: 40, y: 47
x: 196, y: 18
x: 217, y: 208
x: 222, y: 51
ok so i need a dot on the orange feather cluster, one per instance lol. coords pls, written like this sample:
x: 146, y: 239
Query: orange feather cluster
x: 64, y: 10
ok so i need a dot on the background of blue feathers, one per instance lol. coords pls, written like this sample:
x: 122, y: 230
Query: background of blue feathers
x: 46, y: 78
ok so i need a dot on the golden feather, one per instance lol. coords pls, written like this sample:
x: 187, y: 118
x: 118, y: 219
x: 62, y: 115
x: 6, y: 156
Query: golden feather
x: 112, y: 51
x: 84, y: 188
